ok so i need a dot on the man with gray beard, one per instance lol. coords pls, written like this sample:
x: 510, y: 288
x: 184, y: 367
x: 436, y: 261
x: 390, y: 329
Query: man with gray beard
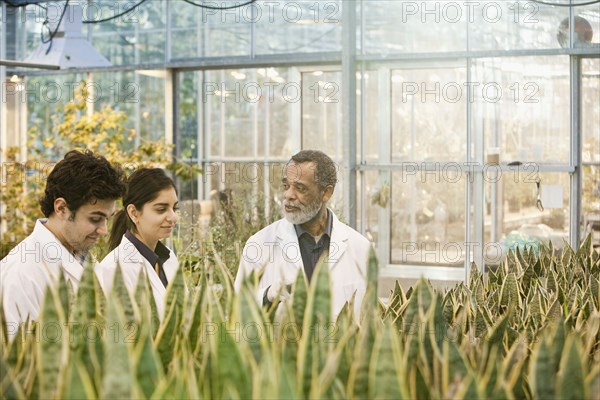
x: 309, y: 230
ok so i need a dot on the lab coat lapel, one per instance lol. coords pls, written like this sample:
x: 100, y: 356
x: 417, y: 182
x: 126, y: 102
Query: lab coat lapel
x: 73, y: 269
x: 155, y: 281
x: 287, y: 244
x: 338, y: 242
x: 68, y: 262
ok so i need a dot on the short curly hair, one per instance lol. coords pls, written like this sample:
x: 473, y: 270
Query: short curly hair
x: 82, y: 178
x: 326, y: 169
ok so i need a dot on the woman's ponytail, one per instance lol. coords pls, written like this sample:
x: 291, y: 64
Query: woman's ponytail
x: 120, y: 225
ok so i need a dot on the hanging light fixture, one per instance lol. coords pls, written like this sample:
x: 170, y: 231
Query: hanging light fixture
x: 67, y: 47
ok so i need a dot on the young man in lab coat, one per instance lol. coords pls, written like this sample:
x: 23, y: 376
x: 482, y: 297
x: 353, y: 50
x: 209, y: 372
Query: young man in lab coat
x: 80, y: 196
x: 294, y: 244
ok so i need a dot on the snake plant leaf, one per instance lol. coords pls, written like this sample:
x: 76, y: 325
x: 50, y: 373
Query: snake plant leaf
x: 52, y: 347
x: 541, y: 371
x: 520, y: 262
x: 497, y: 332
x: 3, y: 328
x: 86, y: 296
x: 528, y: 276
x: 586, y: 249
x: 510, y: 292
x: 100, y: 299
x: 299, y: 298
x: 536, y: 309
x: 287, y: 384
x: 454, y: 366
x: 513, y: 366
x: 86, y: 344
x: 479, y: 294
x: 555, y: 311
x: 410, y: 309
x: 591, y: 333
x: 384, y: 376
x: 370, y: 301
x: 417, y: 384
x: 78, y: 383
x: 570, y: 382
x: 557, y: 345
x: 567, y: 255
x: 63, y: 294
x: 397, y: 298
x: 229, y: 367
x: 358, y: 378
x: 141, y: 293
x: 467, y: 389
x: 345, y: 338
x: 175, y: 295
x: 166, y: 336
x: 195, y: 325
x: 9, y: 386
x: 254, y: 324
x: 144, y: 298
x: 592, y: 383
x: 489, y: 376
x: 480, y: 325
x: 123, y: 296
x: 118, y: 380
x: 594, y: 290
x: 314, y: 333
x: 149, y: 370
x: 173, y: 321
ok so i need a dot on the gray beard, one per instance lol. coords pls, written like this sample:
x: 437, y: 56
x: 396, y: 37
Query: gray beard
x: 305, y: 214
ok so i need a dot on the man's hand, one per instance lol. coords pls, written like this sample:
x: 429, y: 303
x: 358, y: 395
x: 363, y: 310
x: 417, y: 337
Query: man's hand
x: 278, y: 290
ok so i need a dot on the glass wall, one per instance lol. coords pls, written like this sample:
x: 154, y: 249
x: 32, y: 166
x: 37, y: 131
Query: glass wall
x: 464, y: 113
x: 590, y: 123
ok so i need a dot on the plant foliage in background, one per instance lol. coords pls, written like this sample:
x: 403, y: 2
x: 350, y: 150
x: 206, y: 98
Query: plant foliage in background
x: 531, y: 329
x: 102, y: 132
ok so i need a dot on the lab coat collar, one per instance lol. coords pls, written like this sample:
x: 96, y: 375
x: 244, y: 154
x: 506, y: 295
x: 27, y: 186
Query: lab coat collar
x: 126, y: 245
x: 55, y: 252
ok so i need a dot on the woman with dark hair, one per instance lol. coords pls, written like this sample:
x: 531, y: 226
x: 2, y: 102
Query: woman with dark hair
x: 149, y: 214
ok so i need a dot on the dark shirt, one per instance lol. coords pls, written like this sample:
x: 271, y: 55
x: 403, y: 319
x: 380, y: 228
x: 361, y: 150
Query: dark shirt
x: 160, y: 255
x: 310, y: 250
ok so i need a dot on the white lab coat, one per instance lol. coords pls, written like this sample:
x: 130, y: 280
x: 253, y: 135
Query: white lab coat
x: 276, y: 249
x: 131, y: 262
x: 29, y: 269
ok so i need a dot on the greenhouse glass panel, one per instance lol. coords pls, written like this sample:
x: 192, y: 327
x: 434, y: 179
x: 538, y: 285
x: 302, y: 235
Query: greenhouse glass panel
x: 587, y: 27
x: 522, y: 108
x: 375, y: 203
x: 394, y: 26
x: 322, y: 122
x: 429, y: 108
x: 428, y: 217
x: 248, y: 111
x: 513, y: 25
x: 198, y: 32
x: 590, y: 110
x: 140, y: 95
x: 321, y: 112
x: 296, y: 26
x: 44, y: 96
x: 590, y: 128
x: 369, y: 97
x: 533, y: 209
x: 137, y: 37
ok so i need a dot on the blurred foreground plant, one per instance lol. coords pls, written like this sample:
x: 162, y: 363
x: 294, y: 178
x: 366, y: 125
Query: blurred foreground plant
x: 531, y: 329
